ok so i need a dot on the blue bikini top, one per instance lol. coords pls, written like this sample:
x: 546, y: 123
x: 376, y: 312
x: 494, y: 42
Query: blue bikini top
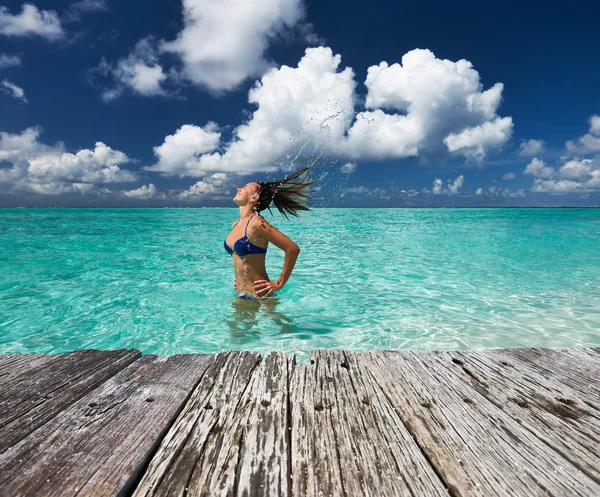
x: 244, y: 246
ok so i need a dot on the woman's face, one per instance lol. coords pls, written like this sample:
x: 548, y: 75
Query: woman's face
x: 245, y: 193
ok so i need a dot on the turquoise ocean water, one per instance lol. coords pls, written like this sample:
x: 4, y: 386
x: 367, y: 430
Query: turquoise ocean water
x: 426, y: 279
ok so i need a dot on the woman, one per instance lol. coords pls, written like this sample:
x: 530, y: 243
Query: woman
x: 250, y: 236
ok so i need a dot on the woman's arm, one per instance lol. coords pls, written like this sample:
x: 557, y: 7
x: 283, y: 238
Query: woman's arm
x: 268, y: 232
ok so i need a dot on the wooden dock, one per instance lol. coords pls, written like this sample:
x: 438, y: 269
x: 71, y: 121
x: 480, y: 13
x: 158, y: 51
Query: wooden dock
x: 501, y: 422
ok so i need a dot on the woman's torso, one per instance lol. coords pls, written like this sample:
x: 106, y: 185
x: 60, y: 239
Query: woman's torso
x: 248, y: 267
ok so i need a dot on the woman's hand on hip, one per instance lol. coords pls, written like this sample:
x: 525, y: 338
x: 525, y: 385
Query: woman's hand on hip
x: 264, y: 288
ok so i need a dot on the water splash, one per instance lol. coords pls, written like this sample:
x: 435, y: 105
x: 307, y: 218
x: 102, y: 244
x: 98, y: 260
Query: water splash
x: 312, y: 149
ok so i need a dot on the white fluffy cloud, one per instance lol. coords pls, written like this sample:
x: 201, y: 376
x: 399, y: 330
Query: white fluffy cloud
x: 139, y: 72
x: 509, y: 177
x: 476, y: 141
x: 530, y: 148
x: 440, y: 101
x: 571, y: 174
x: 223, y: 43
x: 13, y: 90
x: 31, y: 21
x: 312, y: 107
x: 595, y: 125
x: 49, y: 169
x: 9, y: 60
x: 145, y: 193
x: 348, y: 168
x: 507, y: 192
x: 574, y: 175
x: 183, y: 152
x: 451, y: 188
x: 456, y: 185
x: 494, y: 191
x: 363, y: 191
x: 220, y: 46
x: 555, y: 186
x: 538, y: 169
x: 577, y: 169
x: 437, y: 186
x: 145, y: 79
x: 294, y: 106
x: 213, y: 185
x: 588, y: 143
x: 75, y: 10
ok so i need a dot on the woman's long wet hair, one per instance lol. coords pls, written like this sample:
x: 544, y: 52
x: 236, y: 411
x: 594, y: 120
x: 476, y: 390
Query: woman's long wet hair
x: 288, y: 196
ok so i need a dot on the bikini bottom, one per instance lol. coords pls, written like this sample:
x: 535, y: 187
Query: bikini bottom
x: 245, y: 296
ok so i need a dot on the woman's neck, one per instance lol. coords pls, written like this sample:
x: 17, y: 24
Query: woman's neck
x: 246, y: 211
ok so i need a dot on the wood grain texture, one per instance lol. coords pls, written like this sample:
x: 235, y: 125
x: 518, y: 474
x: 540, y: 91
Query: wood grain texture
x: 576, y: 369
x: 377, y: 454
x: 37, y: 394
x: 548, y: 409
x: 100, y: 444
x: 262, y: 423
x: 200, y: 452
x: 13, y: 365
x: 501, y: 422
x: 477, y: 448
x: 315, y: 463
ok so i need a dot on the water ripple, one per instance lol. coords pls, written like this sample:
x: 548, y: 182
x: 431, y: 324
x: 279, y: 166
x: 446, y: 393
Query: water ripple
x: 428, y: 279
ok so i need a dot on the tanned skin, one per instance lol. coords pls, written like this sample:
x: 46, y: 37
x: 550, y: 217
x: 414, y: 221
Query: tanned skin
x: 250, y: 273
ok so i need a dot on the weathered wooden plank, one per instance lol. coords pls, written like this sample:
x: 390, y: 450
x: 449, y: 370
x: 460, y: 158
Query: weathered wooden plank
x: 194, y: 451
x: 366, y: 424
x: 477, y: 448
x: 40, y: 393
x: 251, y: 455
x: 546, y: 387
x: 47, y: 377
x: 263, y: 465
x: 580, y: 361
x: 586, y: 362
x: 566, y: 366
x: 590, y: 352
x: 564, y: 424
x: 13, y: 365
x: 99, y: 445
x: 341, y: 425
x: 315, y: 462
x: 586, y: 359
x: 387, y: 459
x: 438, y: 436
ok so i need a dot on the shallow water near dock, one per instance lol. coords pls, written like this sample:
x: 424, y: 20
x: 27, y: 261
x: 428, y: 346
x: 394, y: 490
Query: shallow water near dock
x: 160, y: 281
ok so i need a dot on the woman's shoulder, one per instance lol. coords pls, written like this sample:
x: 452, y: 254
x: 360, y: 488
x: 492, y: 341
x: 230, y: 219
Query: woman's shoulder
x: 259, y: 223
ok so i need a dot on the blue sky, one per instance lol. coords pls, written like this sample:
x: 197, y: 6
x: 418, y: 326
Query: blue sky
x: 107, y: 103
